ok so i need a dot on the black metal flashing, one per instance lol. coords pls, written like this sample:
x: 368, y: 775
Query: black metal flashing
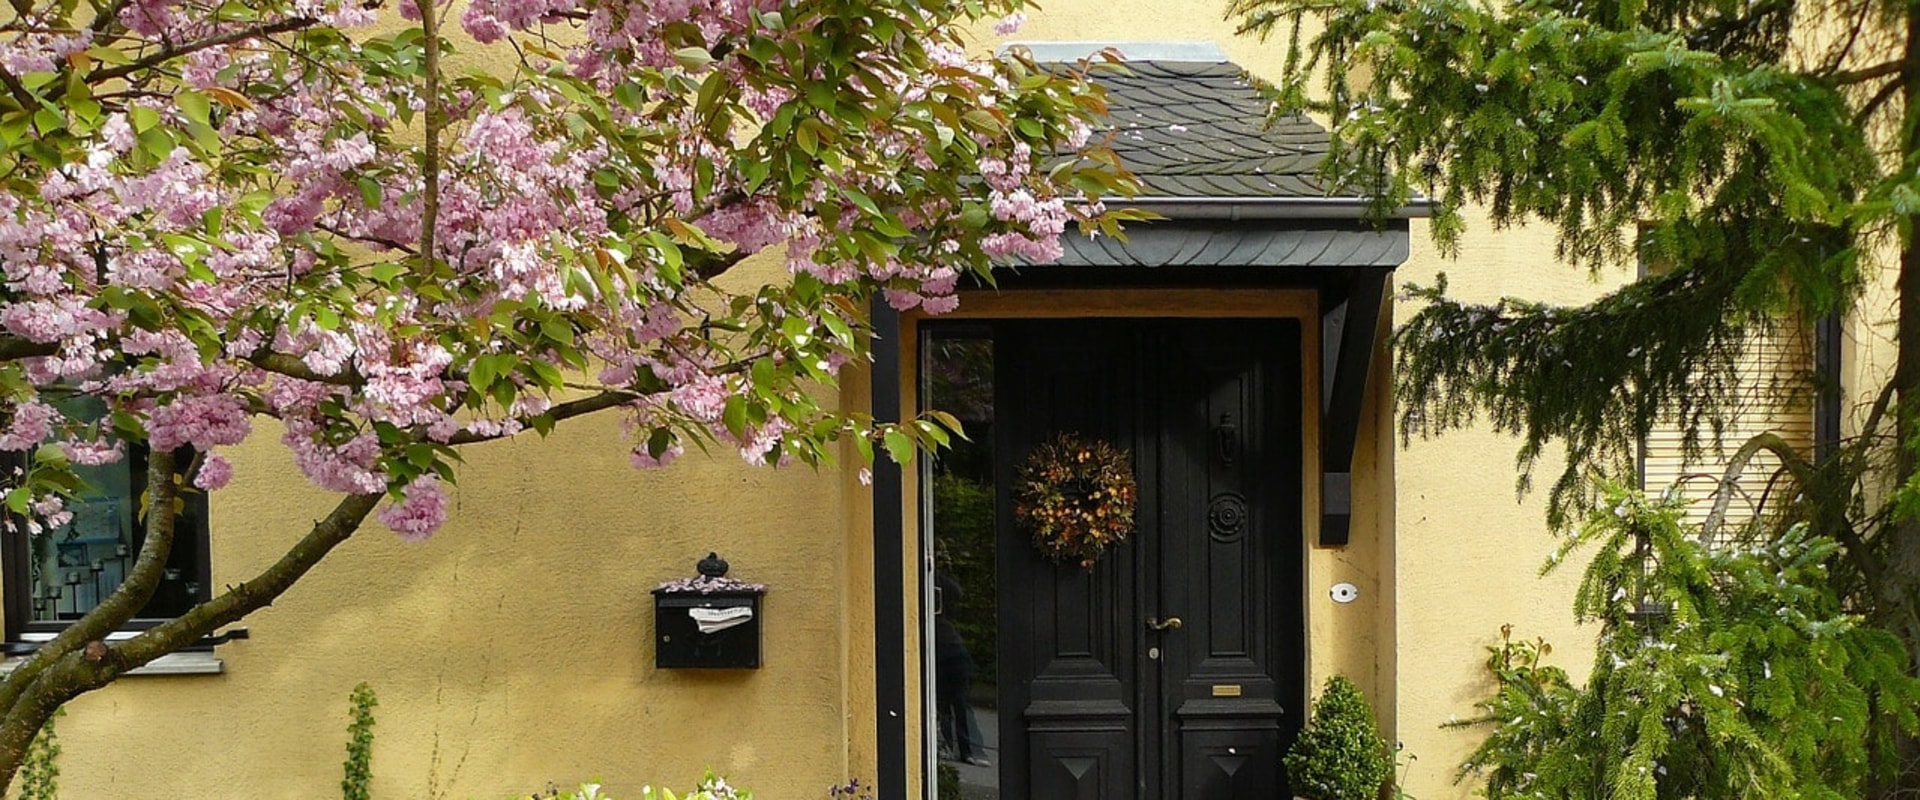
x: 1309, y: 243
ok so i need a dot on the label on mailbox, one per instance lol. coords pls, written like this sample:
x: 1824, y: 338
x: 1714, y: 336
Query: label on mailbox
x: 1226, y: 690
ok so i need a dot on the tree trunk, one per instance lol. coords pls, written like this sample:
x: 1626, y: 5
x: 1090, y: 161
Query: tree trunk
x: 1898, y: 595
x: 1901, y: 589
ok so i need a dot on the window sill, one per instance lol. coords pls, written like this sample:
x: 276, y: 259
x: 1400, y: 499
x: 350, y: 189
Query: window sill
x: 192, y: 662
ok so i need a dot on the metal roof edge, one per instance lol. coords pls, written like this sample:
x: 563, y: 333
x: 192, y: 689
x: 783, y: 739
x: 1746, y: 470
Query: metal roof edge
x: 1232, y: 208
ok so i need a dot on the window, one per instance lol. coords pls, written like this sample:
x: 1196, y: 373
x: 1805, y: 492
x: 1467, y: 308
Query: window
x: 958, y: 489
x: 1775, y: 395
x: 57, y: 575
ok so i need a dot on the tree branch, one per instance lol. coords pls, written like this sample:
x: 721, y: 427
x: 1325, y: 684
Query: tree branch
x: 1882, y: 70
x: 170, y: 53
x: 611, y: 398
x: 1723, y: 491
x: 292, y: 367
x: 430, y: 170
x: 14, y: 348
x: 388, y: 243
x: 17, y: 89
x: 127, y: 599
x: 248, y: 596
x: 709, y: 268
x: 1874, y: 103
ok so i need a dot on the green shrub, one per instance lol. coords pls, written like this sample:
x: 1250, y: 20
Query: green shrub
x: 963, y: 516
x: 1725, y: 671
x: 359, y: 764
x: 949, y: 783
x: 1339, y: 755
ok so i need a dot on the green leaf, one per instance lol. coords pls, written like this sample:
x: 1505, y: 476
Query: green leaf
x: 194, y: 106
x: 142, y: 118
x: 693, y: 58
x: 865, y: 447
x: 629, y: 94
x: 50, y: 454
x: 558, y: 328
x: 483, y: 373
x: 369, y: 191
x: 735, y: 415
x: 659, y: 442
x: 19, y: 499
x: 710, y: 92
x: 157, y: 143
x: 48, y: 120
x: 545, y: 374
x: 860, y: 200
x: 385, y: 272
x: 899, y: 447
x: 762, y: 373
x: 804, y: 137
x: 951, y: 422
x: 109, y: 55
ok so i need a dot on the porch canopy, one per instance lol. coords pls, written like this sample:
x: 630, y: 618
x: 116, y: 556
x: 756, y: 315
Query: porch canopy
x: 1244, y: 203
x: 1243, y: 207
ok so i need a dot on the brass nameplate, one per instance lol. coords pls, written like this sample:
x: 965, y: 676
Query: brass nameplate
x: 1226, y: 690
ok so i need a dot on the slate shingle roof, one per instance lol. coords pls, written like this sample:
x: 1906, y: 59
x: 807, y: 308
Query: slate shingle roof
x: 1201, y: 129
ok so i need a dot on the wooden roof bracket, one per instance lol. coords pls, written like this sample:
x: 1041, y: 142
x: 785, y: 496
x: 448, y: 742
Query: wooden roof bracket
x: 1349, y: 324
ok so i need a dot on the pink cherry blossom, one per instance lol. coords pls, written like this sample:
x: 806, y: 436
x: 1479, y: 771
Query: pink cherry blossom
x: 215, y: 472
x: 420, y: 512
x: 265, y: 262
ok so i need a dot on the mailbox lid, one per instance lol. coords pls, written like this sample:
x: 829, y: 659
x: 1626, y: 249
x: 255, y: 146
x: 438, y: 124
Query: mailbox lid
x: 713, y: 600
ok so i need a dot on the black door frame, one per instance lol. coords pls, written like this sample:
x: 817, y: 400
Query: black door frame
x: 889, y: 523
x: 1350, y: 283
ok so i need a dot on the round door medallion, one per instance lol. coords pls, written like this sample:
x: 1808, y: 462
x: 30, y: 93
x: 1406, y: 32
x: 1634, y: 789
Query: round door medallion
x: 1227, y: 517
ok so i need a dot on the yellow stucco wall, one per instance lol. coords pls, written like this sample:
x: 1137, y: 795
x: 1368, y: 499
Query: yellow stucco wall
x: 514, y: 648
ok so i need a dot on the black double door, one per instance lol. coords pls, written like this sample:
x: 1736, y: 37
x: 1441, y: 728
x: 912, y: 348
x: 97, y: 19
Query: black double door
x: 1174, y: 668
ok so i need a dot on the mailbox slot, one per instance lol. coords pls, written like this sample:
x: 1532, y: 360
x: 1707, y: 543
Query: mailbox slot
x: 731, y: 639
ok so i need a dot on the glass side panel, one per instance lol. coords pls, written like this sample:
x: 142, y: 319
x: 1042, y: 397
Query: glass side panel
x: 959, y: 380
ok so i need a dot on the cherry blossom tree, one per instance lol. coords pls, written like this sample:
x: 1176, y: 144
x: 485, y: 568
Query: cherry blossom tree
x: 218, y: 214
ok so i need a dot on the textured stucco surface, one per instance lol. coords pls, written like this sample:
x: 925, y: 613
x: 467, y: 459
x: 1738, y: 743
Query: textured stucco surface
x: 514, y: 648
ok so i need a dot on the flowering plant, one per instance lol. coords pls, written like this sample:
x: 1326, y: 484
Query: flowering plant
x: 1075, y: 496
x: 280, y: 219
x: 712, y: 787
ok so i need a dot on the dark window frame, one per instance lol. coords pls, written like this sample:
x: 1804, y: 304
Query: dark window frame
x: 192, y: 553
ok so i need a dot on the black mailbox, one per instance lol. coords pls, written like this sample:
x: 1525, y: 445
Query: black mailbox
x: 707, y: 622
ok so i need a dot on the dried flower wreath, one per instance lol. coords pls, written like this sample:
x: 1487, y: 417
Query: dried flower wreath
x: 1075, y: 496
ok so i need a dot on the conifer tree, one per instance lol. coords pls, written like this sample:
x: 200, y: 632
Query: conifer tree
x: 1763, y: 151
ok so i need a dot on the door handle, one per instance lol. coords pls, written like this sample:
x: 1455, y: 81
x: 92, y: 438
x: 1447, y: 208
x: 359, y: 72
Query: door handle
x: 1169, y: 624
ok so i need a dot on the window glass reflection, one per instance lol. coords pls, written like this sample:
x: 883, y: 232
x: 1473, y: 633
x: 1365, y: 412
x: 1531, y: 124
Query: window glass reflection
x: 959, y: 370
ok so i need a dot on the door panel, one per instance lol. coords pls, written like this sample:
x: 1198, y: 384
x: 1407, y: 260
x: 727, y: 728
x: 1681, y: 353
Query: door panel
x: 1072, y: 691
x: 1091, y: 698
